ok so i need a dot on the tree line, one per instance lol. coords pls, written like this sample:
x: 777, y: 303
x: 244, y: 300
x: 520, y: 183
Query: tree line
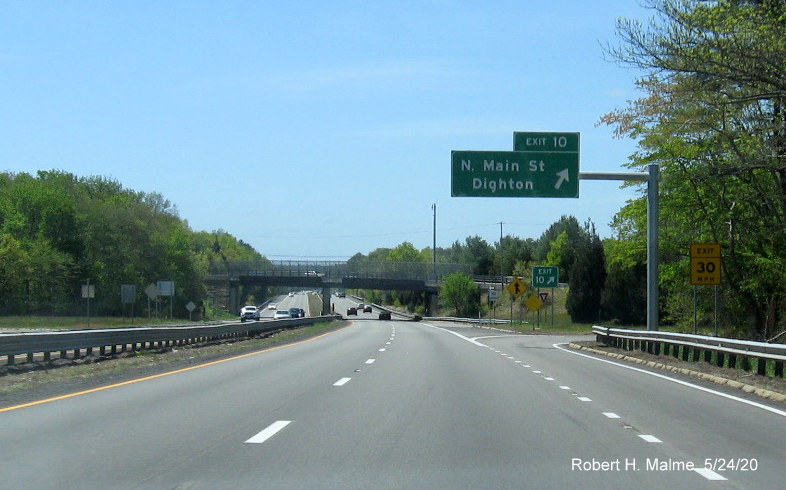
x: 57, y: 231
x: 576, y: 249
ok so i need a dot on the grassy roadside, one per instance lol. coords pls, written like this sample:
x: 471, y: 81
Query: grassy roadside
x: 32, y: 381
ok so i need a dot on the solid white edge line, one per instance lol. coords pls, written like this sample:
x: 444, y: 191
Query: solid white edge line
x: 678, y: 381
x: 269, y: 432
x: 341, y: 382
x: 471, y: 341
x: 709, y: 474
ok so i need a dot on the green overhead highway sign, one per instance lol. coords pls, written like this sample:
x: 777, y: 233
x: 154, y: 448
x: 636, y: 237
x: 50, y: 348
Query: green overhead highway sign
x: 561, y: 142
x: 514, y: 174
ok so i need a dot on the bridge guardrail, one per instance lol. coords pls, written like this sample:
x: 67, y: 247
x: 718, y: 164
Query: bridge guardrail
x: 77, y: 341
x: 695, y: 347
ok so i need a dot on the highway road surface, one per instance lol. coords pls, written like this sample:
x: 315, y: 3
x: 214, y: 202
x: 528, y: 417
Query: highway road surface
x: 392, y: 404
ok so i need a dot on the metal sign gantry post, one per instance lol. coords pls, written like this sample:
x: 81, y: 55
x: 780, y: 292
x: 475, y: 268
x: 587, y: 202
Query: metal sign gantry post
x: 651, y: 177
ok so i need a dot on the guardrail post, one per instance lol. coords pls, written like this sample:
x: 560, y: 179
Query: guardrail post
x: 778, y: 369
x: 761, y: 366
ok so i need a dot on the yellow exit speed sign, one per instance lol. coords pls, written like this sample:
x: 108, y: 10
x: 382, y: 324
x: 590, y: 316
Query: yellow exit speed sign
x: 705, y: 264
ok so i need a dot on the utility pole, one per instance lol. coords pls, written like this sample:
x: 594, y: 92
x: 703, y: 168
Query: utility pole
x: 434, y: 243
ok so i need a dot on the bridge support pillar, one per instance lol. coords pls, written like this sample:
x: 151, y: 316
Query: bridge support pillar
x: 234, y: 297
x: 326, y: 300
x: 431, y: 303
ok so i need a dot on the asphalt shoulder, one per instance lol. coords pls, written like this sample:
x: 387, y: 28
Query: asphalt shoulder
x: 763, y: 386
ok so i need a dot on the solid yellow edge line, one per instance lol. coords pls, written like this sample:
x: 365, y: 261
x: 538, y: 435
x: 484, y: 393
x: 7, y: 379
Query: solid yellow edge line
x: 161, y: 375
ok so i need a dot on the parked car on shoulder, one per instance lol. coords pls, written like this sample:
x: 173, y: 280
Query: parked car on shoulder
x: 249, y: 313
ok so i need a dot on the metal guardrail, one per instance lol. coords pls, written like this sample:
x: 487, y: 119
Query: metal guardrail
x: 82, y: 342
x: 696, y: 347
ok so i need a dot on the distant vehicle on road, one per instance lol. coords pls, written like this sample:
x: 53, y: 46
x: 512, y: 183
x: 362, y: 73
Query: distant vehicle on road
x: 291, y: 294
x: 352, y: 311
x: 281, y: 314
x: 272, y: 306
x: 341, y: 294
x: 295, y: 312
x: 367, y: 309
x: 249, y: 313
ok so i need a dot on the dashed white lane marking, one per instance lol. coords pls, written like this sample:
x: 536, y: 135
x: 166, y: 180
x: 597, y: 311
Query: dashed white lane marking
x: 341, y: 382
x: 269, y: 432
x: 382, y: 350
x: 370, y: 361
x: 548, y: 379
x: 709, y: 474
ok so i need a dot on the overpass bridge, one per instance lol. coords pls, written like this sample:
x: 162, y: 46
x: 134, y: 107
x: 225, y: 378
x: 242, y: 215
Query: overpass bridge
x: 326, y: 276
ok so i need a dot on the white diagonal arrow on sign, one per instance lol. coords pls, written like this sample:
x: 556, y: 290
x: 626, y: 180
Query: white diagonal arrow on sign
x: 564, y: 176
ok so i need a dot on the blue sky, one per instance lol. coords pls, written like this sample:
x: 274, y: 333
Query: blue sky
x: 314, y: 129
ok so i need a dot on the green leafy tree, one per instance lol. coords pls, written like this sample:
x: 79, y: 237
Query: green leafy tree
x: 712, y: 116
x: 405, y: 252
x: 587, y: 277
x: 461, y: 293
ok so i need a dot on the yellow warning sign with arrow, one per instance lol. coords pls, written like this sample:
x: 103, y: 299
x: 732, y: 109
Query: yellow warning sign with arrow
x: 516, y: 287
